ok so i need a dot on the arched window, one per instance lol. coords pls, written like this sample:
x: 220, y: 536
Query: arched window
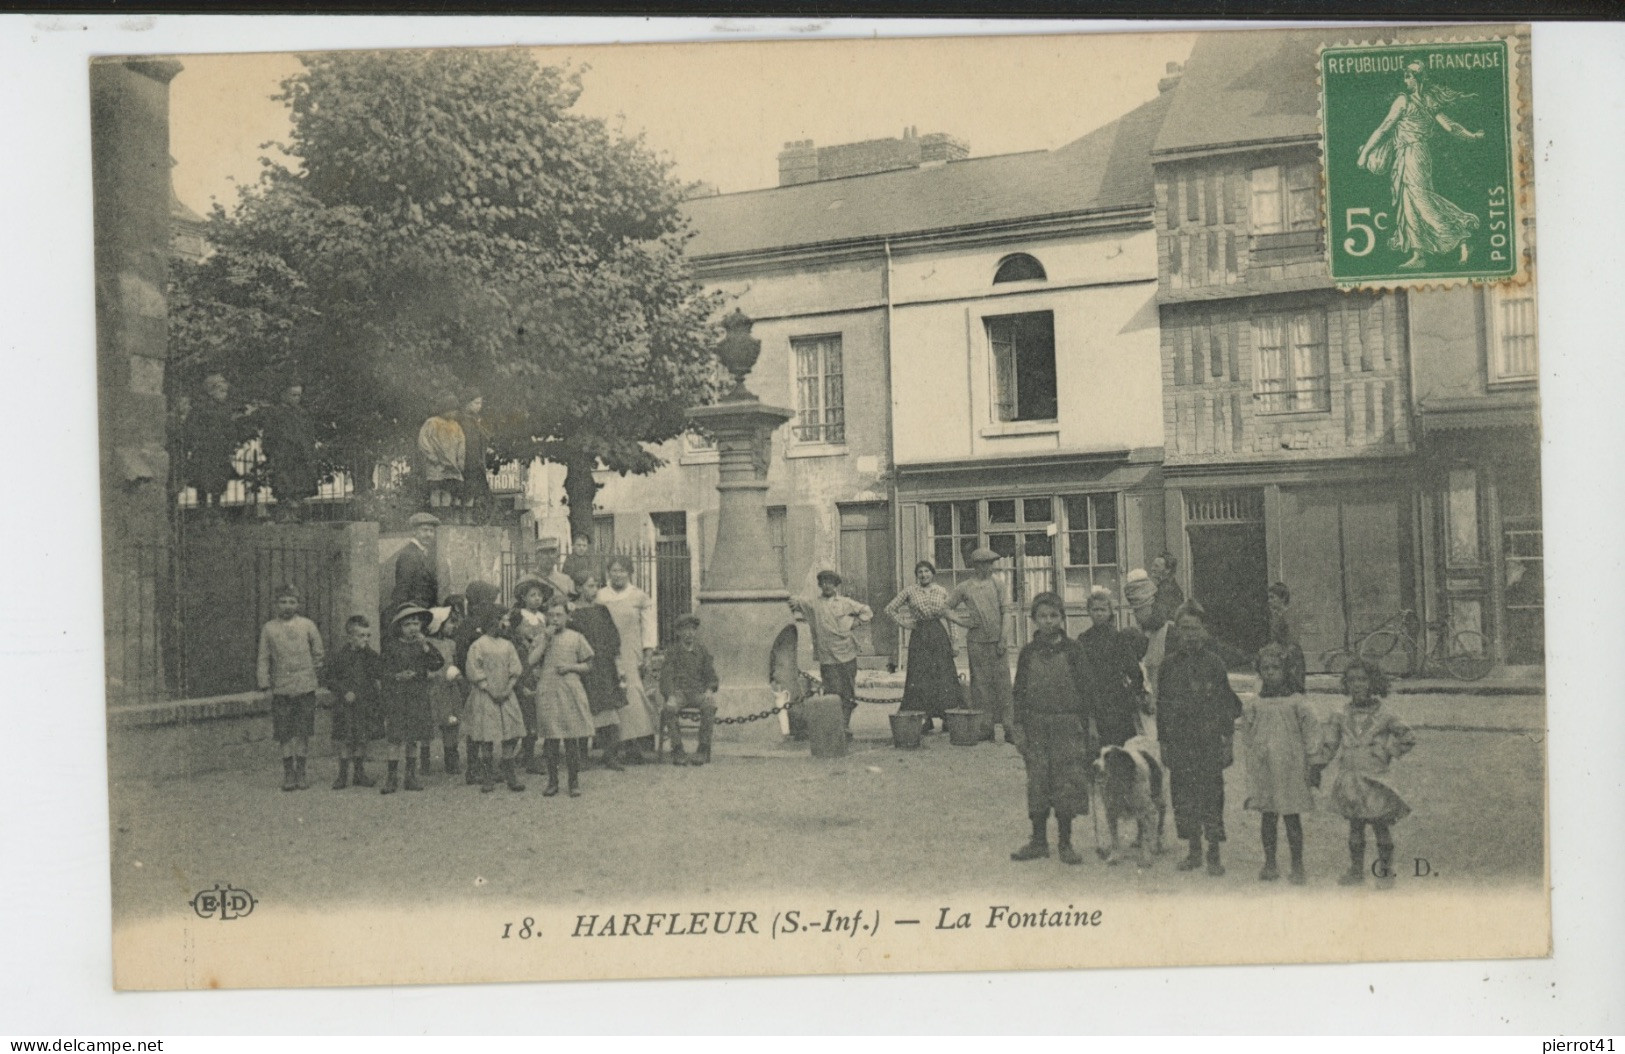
x: 1019, y: 267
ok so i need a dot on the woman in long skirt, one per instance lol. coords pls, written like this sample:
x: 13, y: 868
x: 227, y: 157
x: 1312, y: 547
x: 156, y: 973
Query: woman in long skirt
x: 635, y: 619
x: 931, y: 685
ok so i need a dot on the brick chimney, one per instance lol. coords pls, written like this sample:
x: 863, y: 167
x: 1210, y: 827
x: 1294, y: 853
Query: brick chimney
x: 798, y: 163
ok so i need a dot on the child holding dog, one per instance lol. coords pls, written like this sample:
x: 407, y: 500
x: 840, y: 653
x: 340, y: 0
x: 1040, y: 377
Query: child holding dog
x: 1054, y: 706
x: 1365, y: 739
x: 1279, y: 734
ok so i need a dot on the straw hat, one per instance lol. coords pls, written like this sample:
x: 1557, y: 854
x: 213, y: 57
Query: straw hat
x: 424, y: 519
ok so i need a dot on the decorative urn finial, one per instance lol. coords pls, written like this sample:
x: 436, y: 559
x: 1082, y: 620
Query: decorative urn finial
x: 738, y: 350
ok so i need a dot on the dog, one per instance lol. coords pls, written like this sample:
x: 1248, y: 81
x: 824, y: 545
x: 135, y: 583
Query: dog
x: 1134, y: 785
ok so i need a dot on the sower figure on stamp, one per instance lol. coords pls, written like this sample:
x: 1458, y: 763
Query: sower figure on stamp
x: 1425, y: 221
x: 1196, y: 715
x: 831, y: 617
x: 978, y: 606
x: 209, y: 441
x: 288, y: 438
x: 1054, y: 709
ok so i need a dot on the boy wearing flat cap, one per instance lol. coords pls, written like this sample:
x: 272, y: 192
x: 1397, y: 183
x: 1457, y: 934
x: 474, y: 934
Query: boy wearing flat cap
x: 978, y: 605
x: 831, y: 617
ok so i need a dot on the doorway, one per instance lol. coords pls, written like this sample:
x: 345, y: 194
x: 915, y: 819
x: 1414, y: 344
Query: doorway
x: 1022, y: 531
x: 1229, y: 565
x: 867, y: 569
x: 674, y: 572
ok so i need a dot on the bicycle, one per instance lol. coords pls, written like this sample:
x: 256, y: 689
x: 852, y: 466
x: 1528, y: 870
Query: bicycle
x: 1398, y: 647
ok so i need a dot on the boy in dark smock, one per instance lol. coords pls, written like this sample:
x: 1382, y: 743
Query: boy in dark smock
x: 1053, y: 705
x: 1196, y: 722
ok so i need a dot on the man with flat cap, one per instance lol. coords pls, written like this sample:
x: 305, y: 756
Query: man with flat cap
x: 831, y: 617
x: 416, y: 579
x: 978, y: 605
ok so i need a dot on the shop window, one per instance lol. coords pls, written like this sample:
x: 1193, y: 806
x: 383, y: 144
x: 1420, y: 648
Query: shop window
x: 820, y: 390
x: 1019, y: 267
x: 1091, y: 544
x: 1512, y: 351
x: 1292, y: 373
x: 1023, y: 352
x: 955, y: 532
x: 1524, y: 592
x: 1461, y: 519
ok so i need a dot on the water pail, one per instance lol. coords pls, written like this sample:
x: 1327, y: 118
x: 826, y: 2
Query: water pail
x: 964, y: 727
x: 826, y: 726
x: 907, y: 728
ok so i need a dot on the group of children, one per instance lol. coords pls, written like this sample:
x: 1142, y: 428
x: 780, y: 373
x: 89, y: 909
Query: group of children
x: 500, y: 678
x: 1062, y: 717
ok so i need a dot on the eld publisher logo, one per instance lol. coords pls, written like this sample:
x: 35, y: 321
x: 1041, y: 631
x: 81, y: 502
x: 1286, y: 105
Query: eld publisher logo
x: 223, y: 902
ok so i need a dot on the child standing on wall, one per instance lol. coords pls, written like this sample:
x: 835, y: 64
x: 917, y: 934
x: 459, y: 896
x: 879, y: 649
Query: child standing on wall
x: 290, y: 659
x: 1279, y: 733
x: 1053, y: 709
x: 1365, y: 739
x: 353, y: 677
x: 409, y: 661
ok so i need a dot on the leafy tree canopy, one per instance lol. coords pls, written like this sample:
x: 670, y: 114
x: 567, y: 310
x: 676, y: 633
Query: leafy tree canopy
x: 451, y: 224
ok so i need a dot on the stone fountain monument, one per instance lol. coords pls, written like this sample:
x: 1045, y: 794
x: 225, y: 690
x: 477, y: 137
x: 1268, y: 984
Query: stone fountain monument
x: 743, y: 607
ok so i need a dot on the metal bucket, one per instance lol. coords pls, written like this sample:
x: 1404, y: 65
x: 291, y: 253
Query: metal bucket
x: 826, y: 726
x: 907, y: 729
x: 964, y: 727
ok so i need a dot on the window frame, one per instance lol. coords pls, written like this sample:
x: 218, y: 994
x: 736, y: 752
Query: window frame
x: 798, y: 429
x: 995, y: 369
x: 1294, y: 390
x: 1016, y: 258
x: 1286, y: 192
x: 1495, y: 297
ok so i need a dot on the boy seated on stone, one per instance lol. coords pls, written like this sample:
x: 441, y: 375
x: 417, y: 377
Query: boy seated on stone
x: 688, y: 680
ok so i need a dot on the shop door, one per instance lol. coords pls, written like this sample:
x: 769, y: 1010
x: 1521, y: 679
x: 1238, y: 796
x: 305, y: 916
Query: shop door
x: 1022, y: 532
x: 867, y: 572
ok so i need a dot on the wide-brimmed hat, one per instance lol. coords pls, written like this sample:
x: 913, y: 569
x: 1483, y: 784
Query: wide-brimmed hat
x: 525, y: 585
x: 406, y: 611
x: 983, y: 555
x: 826, y: 575
x: 424, y: 519
x: 1138, y: 588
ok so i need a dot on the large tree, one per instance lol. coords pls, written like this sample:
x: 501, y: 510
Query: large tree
x: 446, y: 222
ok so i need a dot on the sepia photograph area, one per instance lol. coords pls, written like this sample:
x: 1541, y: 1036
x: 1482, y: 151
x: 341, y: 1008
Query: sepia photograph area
x: 821, y: 506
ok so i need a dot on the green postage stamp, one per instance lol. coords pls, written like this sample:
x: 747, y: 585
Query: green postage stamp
x: 1420, y: 166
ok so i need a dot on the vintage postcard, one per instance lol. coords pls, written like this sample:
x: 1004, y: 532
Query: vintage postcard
x: 563, y: 520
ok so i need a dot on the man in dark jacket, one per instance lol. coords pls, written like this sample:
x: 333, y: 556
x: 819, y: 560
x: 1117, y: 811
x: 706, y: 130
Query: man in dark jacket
x: 416, y: 579
x: 209, y: 442
x: 288, y: 439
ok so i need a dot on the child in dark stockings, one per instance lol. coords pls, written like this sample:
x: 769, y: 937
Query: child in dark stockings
x: 1278, y: 734
x: 1365, y: 739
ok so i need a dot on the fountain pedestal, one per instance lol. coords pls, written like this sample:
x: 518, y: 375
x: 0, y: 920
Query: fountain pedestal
x: 743, y: 602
